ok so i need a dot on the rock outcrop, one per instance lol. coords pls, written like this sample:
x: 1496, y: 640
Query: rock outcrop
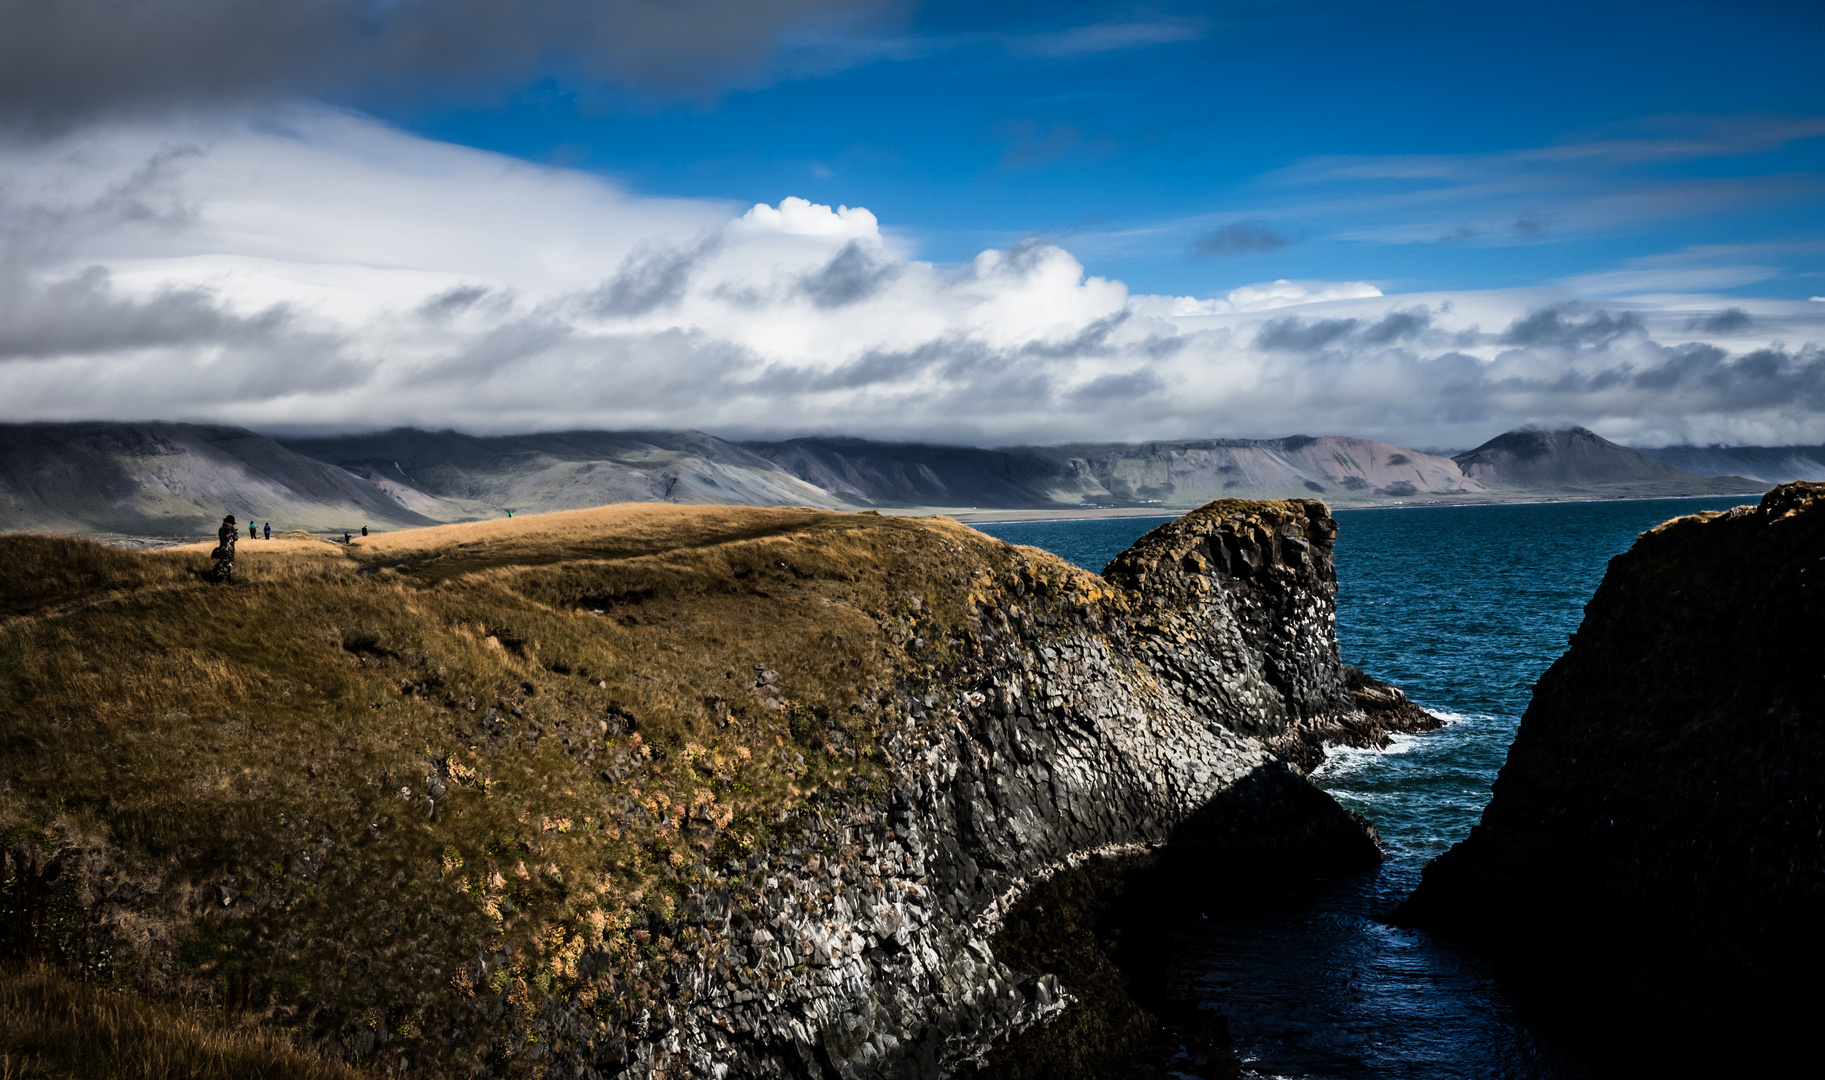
x: 1661, y: 816
x: 1094, y: 721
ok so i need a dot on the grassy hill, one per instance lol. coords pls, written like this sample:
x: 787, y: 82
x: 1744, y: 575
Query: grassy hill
x: 365, y: 789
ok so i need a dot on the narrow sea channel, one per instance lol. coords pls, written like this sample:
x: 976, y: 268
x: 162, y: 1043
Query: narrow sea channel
x: 1464, y: 608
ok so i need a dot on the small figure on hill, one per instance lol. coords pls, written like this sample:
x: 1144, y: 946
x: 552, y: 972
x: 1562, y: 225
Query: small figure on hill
x: 223, y: 571
x: 509, y: 513
x: 364, y: 530
x: 269, y: 530
x: 346, y: 538
x: 252, y: 533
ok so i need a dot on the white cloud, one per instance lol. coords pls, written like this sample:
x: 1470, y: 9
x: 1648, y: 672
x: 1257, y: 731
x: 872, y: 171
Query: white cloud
x: 1265, y: 296
x: 331, y: 272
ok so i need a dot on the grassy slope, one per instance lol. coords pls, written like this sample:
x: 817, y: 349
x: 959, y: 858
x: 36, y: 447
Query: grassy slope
x: 593, y: 689
x: 52, y: 1027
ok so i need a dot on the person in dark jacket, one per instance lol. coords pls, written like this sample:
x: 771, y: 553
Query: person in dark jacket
x: 269, y: 530
x: 223, y: 571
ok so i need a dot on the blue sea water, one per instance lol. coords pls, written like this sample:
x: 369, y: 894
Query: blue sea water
x: 1462, y: 607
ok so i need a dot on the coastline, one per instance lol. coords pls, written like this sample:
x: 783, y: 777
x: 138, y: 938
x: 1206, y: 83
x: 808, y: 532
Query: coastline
x: 976, y: 515
x: 971, y: 515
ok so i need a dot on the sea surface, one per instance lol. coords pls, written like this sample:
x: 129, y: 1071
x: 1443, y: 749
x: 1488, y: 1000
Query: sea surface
x: 1462, y: 607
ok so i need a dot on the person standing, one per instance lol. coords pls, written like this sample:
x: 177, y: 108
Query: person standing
x: 269, y: 530
x: 364, y: 530
x: 223, y: 571
x: 252, y: 533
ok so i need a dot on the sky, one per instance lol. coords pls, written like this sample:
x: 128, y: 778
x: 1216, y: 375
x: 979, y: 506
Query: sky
x: 984, y: 223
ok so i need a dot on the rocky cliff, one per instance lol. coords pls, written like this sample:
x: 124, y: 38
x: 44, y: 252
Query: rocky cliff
x: 1660, y: 817
x: 710, y: 793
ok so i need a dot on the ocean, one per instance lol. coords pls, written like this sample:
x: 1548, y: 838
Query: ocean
x: 1463, y: 608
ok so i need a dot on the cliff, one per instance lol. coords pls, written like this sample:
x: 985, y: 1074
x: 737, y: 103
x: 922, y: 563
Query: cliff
x: 1659, y: 817
x: 648, y: 791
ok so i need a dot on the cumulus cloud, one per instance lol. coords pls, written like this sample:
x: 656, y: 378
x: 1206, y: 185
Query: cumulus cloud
x: 66, y: 61
x: 147, y: 272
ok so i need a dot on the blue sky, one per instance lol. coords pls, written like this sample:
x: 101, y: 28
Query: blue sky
x: 1419, y: 222
x: 1427, y: 145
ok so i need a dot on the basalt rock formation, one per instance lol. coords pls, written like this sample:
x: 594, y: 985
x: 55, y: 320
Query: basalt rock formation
x: 709, y: 792
x: 1661, y: 818
x: 1095, y: 721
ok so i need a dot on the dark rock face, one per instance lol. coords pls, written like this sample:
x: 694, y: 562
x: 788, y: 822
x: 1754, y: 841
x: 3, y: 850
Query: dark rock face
x: 1661, y: 816
x: 1094, y: 720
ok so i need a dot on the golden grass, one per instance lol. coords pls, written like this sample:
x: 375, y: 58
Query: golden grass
x: 54, y: 1028
x: 246, y: 548
x: 618, y: 704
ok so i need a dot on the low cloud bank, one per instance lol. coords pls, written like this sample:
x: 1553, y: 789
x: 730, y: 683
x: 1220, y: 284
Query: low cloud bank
x: 328, y: 272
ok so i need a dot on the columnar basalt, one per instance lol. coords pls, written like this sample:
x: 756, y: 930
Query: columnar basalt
x: 1095, y: 719
x: 1660, y: 819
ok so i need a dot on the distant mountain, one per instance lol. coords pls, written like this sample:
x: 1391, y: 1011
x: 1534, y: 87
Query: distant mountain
x: 1579, y: 463
x: 158, y: 479
x: 1170, y: 475
x: 565, y: 470
x: 1342, y: 471
x: 918, y: 474
x: 1768, y: 464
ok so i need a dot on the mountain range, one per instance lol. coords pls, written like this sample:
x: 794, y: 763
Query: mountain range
x: 1768, y: 464
x: 158, y: 479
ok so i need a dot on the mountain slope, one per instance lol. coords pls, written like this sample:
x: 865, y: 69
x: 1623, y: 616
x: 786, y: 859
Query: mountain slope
x: 1768, y: 464
x: 567, y: 470
x: 160, y: 479
x: 917, y: 474
x: 1579, y: 462
x: 1344, y: 471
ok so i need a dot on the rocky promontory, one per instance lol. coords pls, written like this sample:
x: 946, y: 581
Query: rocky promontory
x: 655, y: 791
x: 1660, y: 821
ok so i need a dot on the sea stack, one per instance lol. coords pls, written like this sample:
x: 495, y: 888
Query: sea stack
x: 1661, y: 817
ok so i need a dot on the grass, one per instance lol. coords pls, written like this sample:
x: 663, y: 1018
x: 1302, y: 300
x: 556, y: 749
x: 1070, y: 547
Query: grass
x: 616, y: 706
x: 52, y: 1027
